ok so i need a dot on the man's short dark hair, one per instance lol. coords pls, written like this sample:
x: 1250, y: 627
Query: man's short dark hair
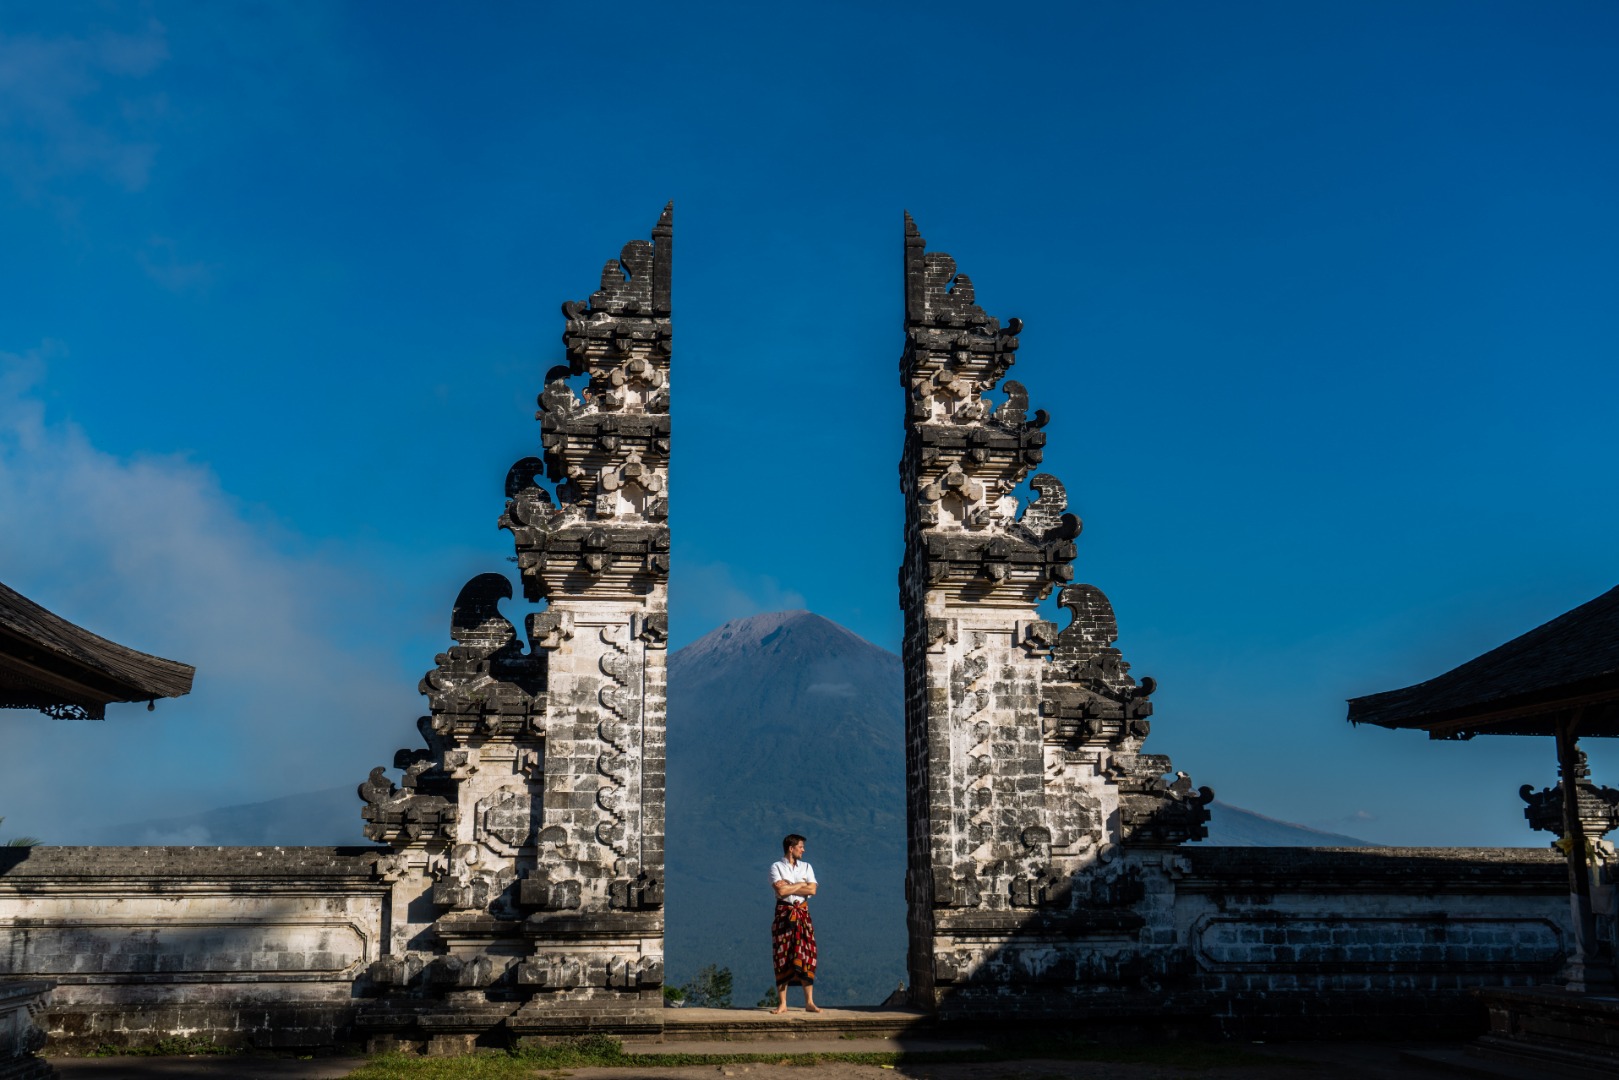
x: 788, y: 842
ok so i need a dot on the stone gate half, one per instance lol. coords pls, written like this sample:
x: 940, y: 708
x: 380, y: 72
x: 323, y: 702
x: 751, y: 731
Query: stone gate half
x: 528, y: 832
x: 1037, y: 830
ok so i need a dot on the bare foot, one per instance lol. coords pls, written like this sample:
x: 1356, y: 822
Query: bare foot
x: 812, y: 1008
x: 778, y: 1012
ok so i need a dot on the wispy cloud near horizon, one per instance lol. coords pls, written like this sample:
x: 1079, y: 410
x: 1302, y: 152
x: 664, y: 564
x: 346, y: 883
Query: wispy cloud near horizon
x: 295, y: 688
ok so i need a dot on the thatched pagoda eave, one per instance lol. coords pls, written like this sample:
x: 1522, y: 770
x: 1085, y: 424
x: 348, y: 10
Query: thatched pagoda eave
x: 62, y: 669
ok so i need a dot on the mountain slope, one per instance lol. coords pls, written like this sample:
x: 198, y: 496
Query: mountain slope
x: 330, y: 818
x: 1232, y: 826
x: 326, y: 818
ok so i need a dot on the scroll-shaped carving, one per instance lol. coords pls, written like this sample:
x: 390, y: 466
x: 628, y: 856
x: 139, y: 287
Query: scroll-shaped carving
x: 557, y: 401
x: 1044, y: 518
x: 1155, y: 813
x: 485, y: 683
x: 397, y: 816
x: 621, y: 699
x: 527, y: 503
x: 1087, y: 694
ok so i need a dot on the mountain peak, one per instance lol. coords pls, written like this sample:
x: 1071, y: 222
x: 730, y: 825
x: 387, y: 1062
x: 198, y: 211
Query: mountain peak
x: 795, y: 633
x: 781, y: 664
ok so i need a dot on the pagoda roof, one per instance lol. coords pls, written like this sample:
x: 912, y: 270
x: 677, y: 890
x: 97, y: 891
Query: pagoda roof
x: 50, y: 664
x: 1520, y: 688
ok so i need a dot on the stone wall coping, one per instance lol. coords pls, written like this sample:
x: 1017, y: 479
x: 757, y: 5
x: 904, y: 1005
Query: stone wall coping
x: 49, y: 865
x: 1395, y: 870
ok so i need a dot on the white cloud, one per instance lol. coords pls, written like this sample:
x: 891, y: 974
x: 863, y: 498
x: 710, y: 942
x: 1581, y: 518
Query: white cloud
x: 161, y: 261
x: 295, y: 688
x: 67, y: 106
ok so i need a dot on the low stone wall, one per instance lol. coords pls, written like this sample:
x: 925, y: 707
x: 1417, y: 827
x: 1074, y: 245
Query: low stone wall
x: 275, y: 946
x: 242, y: 946
x: 1351, y: 941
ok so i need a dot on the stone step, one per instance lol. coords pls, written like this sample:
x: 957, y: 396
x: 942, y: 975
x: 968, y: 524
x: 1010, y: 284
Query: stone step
x: 830, y: 1024
x: 786, y: 1045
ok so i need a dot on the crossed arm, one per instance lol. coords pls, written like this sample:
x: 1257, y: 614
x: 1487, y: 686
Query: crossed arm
x: 787, y: 888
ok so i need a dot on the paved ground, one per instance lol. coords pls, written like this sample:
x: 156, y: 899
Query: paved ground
x: 1287, y: 1061
x: 806, y: 1043
x: 870, y: 1030
x: 213, y: 1068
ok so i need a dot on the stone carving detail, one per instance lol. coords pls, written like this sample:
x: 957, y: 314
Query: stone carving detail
x: 483, y: 687
x: 1088, y: 696
x: 393, y: 814
x: 615, y: 762
x: 554, y: 884
x: 485, y: 684
x: 1028, y: 796
x: 1598, y: 805
x: 528, y: 832
x: 1155, y: 812
x: 506, y: 819
x: 607, y: 450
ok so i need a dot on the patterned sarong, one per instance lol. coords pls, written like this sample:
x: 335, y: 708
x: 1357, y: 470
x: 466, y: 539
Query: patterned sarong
x: 793, y: 936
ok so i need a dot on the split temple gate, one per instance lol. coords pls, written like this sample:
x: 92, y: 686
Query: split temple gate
x: 517, y: 889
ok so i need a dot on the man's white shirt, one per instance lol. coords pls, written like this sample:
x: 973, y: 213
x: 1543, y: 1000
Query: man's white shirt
x: 782, y: 870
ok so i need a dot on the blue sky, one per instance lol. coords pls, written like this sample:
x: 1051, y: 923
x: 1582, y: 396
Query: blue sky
x: 1322, y: 298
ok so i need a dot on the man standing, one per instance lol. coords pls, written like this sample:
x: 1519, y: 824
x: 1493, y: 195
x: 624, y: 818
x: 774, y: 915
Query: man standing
x: 792, y: 934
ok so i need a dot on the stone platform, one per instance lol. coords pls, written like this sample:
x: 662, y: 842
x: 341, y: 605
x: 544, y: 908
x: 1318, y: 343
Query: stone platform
x: 722, y: 1026
x: 1576, y: 1033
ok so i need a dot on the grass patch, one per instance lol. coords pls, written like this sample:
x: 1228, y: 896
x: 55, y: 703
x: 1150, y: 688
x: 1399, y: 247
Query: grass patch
x: 586, y: 1051
x: 168, y: 1046
x: 600, y: 1051
x: 484, y: 1065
